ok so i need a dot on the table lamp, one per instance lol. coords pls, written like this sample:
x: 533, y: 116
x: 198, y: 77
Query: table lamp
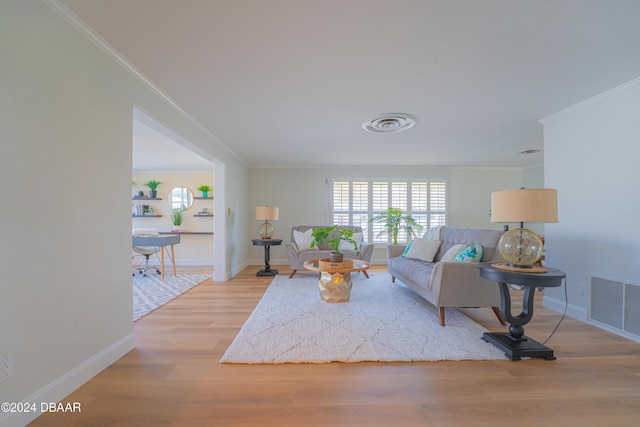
x: 266, y: 214
x: 520, y: 247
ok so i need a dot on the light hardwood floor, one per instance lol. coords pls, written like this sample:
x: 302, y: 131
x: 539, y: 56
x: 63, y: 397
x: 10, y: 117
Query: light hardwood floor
x: 173, y: 377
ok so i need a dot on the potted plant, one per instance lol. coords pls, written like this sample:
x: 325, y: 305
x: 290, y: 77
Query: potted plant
x: 321, y: 234
x: 153, y: 185
x: 176, y: 219
x: 205, y: 190
x: 394, y: 220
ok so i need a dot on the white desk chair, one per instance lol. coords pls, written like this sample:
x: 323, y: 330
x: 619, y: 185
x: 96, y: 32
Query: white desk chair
x: 146, y: 251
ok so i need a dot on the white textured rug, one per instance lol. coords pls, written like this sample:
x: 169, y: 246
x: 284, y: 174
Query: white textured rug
x: 383, y: 321
x: 151, y: 292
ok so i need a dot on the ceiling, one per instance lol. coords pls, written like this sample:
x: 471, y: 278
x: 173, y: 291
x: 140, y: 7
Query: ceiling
x: 290, y: 82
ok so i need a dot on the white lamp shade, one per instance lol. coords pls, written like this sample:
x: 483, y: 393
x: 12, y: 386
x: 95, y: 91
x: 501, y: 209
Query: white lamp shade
x: 266, y: 213
x: 525, y: 205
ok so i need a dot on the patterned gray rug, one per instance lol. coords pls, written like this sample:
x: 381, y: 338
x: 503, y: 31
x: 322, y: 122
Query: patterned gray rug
x: 151, y: 292
x: 383, y: 321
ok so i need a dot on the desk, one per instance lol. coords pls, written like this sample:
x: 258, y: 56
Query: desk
x: 267, y: 243
x: 515, y: 344
x: 162, y: 242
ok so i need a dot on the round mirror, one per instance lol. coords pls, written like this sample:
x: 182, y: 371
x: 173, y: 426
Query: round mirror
x: 180, y: 198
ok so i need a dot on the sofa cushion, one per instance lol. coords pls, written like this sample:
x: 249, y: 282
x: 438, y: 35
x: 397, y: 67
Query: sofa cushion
x: 304, y: 240
x: 451, y: 236
x: 423, y: 249
x: 471, y: 254
x: 453, y: 252
x: 411, y: 269
x: 407, y: 248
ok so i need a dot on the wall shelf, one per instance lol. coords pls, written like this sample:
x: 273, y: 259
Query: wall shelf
x: 146, y: 198
x: 210, y: 233
x: 205, y: 216
x: 203, y: 198
x: 146, y: 216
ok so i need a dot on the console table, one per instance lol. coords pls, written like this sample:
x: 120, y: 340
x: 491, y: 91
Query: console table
x: 514, y: 343
x: 267, y: 243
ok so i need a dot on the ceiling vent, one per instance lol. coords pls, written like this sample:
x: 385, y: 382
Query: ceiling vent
x: 389, y: 123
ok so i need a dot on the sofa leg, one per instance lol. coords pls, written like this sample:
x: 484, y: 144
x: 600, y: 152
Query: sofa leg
x: 496, y: 310
x: 292, y: 273
x: 393, y: 279
x: 441, y: 310
x: 365, y: 273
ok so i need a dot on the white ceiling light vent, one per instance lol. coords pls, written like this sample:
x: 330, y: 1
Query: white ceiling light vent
x: 389, y: 123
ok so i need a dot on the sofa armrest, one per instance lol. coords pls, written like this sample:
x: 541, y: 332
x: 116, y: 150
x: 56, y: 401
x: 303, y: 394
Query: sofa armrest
x: 366, y: 251
x: 395, y: 250
x: 292, y: 253
x: 459, y: 284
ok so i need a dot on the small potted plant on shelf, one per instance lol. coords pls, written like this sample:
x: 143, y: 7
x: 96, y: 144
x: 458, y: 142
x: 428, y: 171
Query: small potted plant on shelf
x: 153, y: 186
x: 394, y: 220
x: 321, y: 234
x: 176, y: 219
x: 205, y: 190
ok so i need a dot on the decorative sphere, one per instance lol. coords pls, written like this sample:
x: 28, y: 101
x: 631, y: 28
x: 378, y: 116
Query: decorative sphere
x: 520, y: 247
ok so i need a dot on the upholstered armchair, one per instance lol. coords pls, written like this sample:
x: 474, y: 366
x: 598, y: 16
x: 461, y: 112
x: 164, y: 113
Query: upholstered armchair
x: 299, y: 251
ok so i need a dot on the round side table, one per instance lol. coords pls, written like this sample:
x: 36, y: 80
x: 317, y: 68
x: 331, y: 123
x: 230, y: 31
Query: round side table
x: 267, y: 243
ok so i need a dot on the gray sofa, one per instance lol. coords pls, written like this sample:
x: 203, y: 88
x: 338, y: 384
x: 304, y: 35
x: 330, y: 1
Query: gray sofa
x: 450, y: 284
x: 298, y: 258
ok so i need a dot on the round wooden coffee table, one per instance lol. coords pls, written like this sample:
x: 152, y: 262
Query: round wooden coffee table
x: 335, y: 278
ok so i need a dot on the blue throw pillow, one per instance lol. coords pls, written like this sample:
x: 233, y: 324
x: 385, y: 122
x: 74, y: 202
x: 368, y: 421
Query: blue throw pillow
x: 471, y: 254
x: 406, y: 250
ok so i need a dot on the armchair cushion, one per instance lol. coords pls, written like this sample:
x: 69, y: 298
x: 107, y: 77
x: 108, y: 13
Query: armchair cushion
x: 303, y: 240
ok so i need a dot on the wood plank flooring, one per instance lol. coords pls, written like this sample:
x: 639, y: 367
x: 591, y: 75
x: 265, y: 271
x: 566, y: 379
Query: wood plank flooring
x: 173, y: 377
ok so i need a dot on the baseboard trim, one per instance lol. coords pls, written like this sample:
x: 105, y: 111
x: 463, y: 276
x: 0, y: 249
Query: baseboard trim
x: 285, y: 261
x: 64, y: 385
x: 574, y: 311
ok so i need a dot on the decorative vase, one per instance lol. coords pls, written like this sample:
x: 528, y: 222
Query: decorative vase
x: 153, y: 193
x: 205, y: 194
x: 176, y: 229
x: 336, y: 257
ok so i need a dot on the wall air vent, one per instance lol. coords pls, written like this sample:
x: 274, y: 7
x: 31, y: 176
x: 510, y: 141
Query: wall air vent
x: 615, y: 304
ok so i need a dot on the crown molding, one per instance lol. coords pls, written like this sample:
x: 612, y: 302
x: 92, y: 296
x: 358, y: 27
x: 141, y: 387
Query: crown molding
x: 591, y: 100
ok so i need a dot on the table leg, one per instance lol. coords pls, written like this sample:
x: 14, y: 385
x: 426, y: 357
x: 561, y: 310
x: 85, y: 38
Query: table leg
x: 515, y: 344
x: 162, y: 262
x: 267, y: 271
x: 173, y: 259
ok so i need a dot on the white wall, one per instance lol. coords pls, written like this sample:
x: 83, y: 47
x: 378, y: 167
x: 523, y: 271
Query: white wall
x: 591, y: 157
x: 65, y: 164
x: 303, y: 197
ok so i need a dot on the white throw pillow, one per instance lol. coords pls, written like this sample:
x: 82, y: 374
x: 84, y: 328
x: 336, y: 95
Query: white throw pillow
x: 423, y: 249
x: 453, y: 252
x: 348, y: 246
x: 303, y: 240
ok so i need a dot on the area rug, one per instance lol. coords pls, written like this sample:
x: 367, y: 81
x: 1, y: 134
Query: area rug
x: 383, y: 321
x: 151, y: 292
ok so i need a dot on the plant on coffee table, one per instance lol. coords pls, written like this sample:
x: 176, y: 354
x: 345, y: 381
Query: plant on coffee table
x: 321, y: 234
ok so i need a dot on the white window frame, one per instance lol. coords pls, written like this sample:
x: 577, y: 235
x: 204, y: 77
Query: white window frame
x: 432, y: 216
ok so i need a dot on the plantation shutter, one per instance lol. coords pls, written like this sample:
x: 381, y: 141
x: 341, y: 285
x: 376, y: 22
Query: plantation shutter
x: 355, y: 202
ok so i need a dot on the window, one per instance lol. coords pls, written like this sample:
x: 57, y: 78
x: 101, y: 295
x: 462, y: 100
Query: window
x: 355, y: 201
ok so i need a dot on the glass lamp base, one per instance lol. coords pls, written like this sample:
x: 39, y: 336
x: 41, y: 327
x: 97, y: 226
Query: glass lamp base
x: 265, y: 230
x: 520, y: 247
